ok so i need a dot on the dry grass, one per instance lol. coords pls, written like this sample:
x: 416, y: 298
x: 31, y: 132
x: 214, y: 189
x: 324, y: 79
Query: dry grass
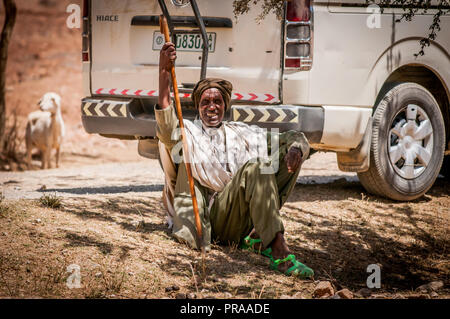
x: 50, y: 201
x: 11, y: 150
x: 332, y: 228
x: 4, y: 208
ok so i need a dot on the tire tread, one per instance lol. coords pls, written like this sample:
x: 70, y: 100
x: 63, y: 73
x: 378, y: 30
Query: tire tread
x: 373, y: 179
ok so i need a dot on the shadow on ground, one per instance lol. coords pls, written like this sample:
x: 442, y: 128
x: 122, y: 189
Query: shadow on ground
x: 410, y: 246
x: 106, y: 189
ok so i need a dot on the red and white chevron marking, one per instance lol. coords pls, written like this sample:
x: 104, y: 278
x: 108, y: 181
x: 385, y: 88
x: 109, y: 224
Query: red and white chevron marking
x: 252, y: 97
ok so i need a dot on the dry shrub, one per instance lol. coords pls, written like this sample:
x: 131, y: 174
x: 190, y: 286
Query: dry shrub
x: 108, y: 281
x: 4, y: 207
x: 20, y: 278
x: 11, y: 157
x: 50, y: 201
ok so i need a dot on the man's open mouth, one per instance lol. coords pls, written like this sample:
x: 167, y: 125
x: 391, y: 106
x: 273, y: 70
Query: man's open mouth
x: 212, y: 116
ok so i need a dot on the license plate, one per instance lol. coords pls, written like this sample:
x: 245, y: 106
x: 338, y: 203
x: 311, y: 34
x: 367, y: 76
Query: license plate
x: 186, y: 42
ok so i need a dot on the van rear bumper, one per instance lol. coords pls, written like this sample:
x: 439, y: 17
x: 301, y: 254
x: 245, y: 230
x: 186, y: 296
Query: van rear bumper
x: 117, y: 117
x: 306, y: 119
x: 133, y: 119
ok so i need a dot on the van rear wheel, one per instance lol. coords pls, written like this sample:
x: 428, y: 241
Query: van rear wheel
x: 408, y: 141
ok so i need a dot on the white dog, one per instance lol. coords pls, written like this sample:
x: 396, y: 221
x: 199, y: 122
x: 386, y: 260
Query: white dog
x: 45, y: 129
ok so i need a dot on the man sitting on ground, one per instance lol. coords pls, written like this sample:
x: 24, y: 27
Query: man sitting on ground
x: 239, y: 193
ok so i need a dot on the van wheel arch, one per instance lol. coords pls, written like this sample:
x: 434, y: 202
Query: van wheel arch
x: 426, y: 77
x: 432, y: 81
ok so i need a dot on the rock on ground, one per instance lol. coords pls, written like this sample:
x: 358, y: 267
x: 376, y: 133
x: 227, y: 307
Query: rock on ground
x: 364, y: 292
x: 345, y: 294
x: 297, y: 295
x: 180, y: 295
x: 323, y: 289
x: 432, y: 286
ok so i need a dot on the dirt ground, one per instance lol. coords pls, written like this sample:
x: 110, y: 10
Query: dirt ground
x: 111, y: 224
x: 45, y: 56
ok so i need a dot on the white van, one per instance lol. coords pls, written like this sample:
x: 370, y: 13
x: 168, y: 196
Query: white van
x: 346, y: 78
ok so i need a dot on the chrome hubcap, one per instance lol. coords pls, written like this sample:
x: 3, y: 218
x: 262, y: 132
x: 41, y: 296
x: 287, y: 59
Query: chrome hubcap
x: 410, y: 143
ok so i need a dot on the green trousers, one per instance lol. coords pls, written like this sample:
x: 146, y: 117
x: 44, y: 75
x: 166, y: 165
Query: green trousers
x: 252, y: 199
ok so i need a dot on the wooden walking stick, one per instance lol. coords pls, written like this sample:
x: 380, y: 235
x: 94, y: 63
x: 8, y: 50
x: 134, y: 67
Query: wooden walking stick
x: 165, y: 30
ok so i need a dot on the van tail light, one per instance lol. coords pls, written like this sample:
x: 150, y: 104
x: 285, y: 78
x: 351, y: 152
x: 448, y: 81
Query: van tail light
x: 86, y: 34
x: 298, y: 35
x: 292, y: 63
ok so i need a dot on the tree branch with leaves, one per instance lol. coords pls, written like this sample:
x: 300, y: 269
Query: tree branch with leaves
x: 241, y: 7
x: 411, y: 8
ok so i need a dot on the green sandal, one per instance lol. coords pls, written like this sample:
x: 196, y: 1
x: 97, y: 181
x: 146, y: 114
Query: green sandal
x: 248, y: 243
x: 298, y: 270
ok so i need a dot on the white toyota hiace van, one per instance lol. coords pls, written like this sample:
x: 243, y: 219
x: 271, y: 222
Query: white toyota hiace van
x: 347, y: 77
